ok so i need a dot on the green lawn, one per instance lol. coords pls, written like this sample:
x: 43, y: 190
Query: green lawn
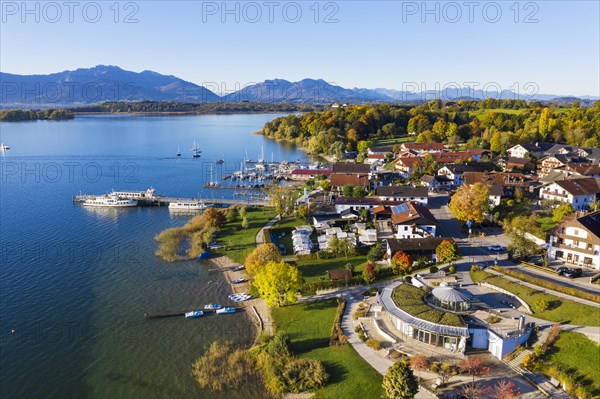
x: 308, y: 327
x: 546, y: 223
x: 561, y: 310
x: 316, y: 270
x: 396, y: 140
x: 578, y: 356
x: 240, y: 242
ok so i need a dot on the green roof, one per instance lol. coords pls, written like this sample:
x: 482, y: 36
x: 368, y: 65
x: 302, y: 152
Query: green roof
x: 411, y: 300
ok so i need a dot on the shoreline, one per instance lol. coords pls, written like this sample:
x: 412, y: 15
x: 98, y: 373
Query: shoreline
x: 261, y: 316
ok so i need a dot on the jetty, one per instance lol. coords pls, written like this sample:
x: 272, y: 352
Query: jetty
x: 163, y: 315
x: 158, y: 200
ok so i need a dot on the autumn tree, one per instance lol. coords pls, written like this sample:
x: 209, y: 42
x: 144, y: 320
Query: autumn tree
x: 400, y: 382
x: 301, y: 214
x: 475, y: 366
x: 214, y: 217
x: 401, y: 263
x: 470, y: 202
x: 278, y: 283
x: 369, y: 274
x: 447, y: 250
x: 419, y: 363
x: 473, y: 391
x: 505, y: 389
x: 262, y: 255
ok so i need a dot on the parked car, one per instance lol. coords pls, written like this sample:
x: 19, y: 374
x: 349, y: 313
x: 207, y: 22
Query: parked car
x: 495, y: 248
x: 572, y: 273
x: 561, y: 270
x: 536, y: 260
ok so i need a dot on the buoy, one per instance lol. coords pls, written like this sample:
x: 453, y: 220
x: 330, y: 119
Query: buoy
x: 13, y: 331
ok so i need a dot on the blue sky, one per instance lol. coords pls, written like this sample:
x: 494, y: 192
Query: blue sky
x: 393, y: 44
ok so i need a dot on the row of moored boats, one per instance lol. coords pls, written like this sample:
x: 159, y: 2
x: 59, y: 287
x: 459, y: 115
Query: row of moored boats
x: 213, y: 307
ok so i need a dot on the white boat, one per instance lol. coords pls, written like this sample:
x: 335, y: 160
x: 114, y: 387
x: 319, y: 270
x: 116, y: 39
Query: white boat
x: 196, y: 151
x: 187, y: 206
x: 148, y: 194
x: 109, y: 201
x: 178, y: 152
x: 193, y: 314
x: 226, y: 310
x: 4, y: 147
x: 212, y: 306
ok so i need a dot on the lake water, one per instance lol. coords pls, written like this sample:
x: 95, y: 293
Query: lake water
x: 75, y: 282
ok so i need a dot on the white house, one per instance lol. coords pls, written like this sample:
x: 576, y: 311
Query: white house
x: 579, y: 193
x: 403, y: 193
x: 576, y: 240
x: 412, y: 220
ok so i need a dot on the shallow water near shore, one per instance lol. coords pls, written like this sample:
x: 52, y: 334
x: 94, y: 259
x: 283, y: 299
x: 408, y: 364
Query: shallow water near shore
x: 75, y: 283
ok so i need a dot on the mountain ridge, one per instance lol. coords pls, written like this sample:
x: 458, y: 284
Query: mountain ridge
x: 112, y: 83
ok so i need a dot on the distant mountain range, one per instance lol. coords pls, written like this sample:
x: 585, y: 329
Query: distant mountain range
x: 111, y: 83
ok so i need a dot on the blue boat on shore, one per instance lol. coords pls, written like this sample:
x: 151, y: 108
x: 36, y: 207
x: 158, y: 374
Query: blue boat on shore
x: 226, y: 310
x: 194, y: 314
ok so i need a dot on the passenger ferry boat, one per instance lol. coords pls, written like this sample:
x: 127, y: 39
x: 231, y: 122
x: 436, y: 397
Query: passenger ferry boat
x: 4, y: 147
x: 187, y: 206
x: 147, y: 195
x: 109, y: 201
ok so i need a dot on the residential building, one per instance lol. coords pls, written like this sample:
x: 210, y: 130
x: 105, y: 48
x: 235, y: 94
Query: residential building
x: 588, y: 153
x: 454, y: 172
x: 375, y: 159
x: 413, y: 220
x: 535, y: 150
x: 306, y: 174
x: 509, y: 182
x: 355, y: 174
x: 381, y: 150
x: 403, y: 193
x: 355, y: 204
x: 407, y: 165
x: 579, y: 193
x: 515, y: 164
x: 576, y: 240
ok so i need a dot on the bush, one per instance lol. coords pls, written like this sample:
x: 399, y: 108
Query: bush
x: 474, y: 268
x: 361, y: 335
x: 433, y: 269
x: 408, y: 279
x: 452, y: 269
x: 337, y: 334
x: 301, y: 374
x: 435, y: 367
x: 373, y: 344
x: 541, y: 305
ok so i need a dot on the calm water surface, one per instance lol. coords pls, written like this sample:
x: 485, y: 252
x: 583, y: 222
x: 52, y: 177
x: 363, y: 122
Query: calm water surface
x: 75, y: 282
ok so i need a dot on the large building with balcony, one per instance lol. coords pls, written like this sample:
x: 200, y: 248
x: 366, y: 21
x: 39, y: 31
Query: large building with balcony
x: 579, y: 193
x: 576, y: 240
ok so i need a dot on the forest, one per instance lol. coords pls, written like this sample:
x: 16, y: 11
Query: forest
x: 194, y: 108
x: 34, y: 115
x: 490, y: 124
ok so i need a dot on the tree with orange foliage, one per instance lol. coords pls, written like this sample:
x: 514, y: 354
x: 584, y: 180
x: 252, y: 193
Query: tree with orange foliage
x: 505, y: 389
x: 401, y: 263
x: 475, y: 366
x: 419, y: 363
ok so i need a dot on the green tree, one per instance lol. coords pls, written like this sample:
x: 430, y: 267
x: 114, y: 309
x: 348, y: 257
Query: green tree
x: 518, y: 230
x: 446, y: 251
x: 262, y: 255
x: 401, y: 263
x: 470, y: 202
x: 563, y: 210
x: 278, y: 283
x: 347, y: 190
x: 400, y: 382
x: 302, y: 213
x: 245, y: 223
x: 358, y: 192
x: 375, y: 252
x: 282, y: 198
x: 214, y: 217
x: 326, y: 185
